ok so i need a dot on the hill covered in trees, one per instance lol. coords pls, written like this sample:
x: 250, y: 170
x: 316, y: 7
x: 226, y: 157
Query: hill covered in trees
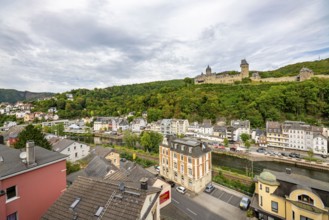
x: 12, y: 96
x: 319, y: 67
x: 307, y: 101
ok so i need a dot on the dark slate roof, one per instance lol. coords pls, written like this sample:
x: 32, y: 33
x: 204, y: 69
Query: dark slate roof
x: 198, y: 148
x: 101, y: 151
x: 291, y: 182
x: 219, y: 128
x: 95, y: 193
x: 97, y: 167
x: 62, y: 144
x: 12, y: 163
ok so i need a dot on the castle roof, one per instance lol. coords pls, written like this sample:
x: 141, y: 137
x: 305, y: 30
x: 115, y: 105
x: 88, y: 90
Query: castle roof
x: 244, y: 62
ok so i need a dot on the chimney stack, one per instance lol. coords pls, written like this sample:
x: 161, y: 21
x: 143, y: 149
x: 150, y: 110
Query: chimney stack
x: 144, y: 183
x: 30, y: 153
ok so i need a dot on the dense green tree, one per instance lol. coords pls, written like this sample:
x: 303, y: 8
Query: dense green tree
x: 151, y: 140
x: 244, y: 137
x: 225, y: 142
x: 130, y: 139
x: 31, y: 133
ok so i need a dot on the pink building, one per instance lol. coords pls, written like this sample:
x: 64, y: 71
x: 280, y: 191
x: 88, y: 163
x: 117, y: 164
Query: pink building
x: 30, y: 182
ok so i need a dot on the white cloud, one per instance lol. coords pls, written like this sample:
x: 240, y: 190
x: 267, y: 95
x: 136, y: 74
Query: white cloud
x: 60, y: 45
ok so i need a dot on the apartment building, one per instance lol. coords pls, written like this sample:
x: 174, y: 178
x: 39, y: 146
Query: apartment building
x: 240, y: 127
x: 30, y: 181
x: 284, y: 195
x: 186, y: 161
x: 297, y: 135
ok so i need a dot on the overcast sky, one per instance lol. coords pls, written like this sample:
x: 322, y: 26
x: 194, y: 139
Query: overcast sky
x: 59, y: 45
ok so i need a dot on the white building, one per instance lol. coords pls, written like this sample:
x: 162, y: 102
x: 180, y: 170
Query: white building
x: 138, y: 124
x: 240, y: 127
x: 179, y: 126
x: 320, y: 144
x: 73, y: 149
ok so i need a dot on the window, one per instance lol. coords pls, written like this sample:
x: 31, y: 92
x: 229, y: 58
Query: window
x: 181, y: 157
x: 189, y: 160
x: 293, y: 215
x: 260, y: 186
x: 305, y: 218
x: 12, y: 216
x: 68, y: 149
x: 190, y: 171
x: 261, y: 200
x: 11, y: 192
x: 175, y: 156
x: 274, y: 206
x: 76, y: 154
x: 175, y: 165
x: 267, y: 189
x: 81, y: 146
x: 182, y: 168
x: 305, y: 198
x: 75, y: 147
x: 190, y: 149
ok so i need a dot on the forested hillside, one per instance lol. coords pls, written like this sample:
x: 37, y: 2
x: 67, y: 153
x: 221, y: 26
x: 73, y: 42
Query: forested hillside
x: 319, y: 67
x: 12, y: 96
x: 307, y: 101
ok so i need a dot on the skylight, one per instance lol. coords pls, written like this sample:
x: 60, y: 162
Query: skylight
x: 75, y: 203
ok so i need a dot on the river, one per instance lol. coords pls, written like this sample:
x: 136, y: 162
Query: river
x: 258, y: 166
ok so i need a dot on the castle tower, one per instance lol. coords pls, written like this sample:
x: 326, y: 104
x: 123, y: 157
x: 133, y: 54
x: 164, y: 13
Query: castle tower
x: 208, y: 70
x: 244, y: 68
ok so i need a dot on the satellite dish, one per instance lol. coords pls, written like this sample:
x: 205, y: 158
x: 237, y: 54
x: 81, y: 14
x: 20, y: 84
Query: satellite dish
x: 23, y: 155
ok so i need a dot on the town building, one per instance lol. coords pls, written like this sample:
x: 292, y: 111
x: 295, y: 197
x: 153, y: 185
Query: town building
x: 91, y: 198
x: 30, y: 181
x: 186, y: 161
x: 138, y: 125
x: 240, y: 127
x: 285, y: 195
x: 297, y: 135
x: 73, y: 149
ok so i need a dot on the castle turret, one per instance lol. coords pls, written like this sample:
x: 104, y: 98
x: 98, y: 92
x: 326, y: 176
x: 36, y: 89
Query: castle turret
x: 208, y: 70
x: 244, y: 68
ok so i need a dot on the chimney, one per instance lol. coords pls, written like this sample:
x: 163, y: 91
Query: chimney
x: 1, y: 140
x: 144, y: 183
x: 288, y: 171
x: 30, y: 153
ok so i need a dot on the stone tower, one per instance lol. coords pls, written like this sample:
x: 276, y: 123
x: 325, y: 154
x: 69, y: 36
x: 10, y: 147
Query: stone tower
x: 208, y: 70
x: 244, y: 68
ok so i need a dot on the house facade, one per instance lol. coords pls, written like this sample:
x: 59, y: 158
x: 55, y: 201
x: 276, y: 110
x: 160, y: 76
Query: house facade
x: 73, y: 149
x: 30, y: 181
x: 186, y: 161
x: 297, y: 135
x: 280, y: 195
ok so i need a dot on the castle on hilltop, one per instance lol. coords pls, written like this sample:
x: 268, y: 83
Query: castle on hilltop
x: 223, y: 78
x: 228, y: 78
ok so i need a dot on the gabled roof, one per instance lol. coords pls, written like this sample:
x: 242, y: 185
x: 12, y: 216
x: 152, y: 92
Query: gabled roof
x: 62, y: 144
x: 12, y: 163
x: 97, y: 167
x: 94, y: 193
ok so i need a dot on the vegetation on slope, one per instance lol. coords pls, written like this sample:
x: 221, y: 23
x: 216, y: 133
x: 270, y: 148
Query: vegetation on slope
x: 12, y: 96
x: 307, y: 101
x: 319, y: 67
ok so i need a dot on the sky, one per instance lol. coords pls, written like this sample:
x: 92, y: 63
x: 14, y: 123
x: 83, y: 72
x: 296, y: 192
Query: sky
x: 60, y: 45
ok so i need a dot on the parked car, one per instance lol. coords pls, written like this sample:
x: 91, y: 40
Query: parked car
x: 324, y: 155
x: 157, y: 168
x: 244, y: 203
x: 284, y: 154
x: 209, y: 188
x: 261, y: 150
x: 181, y: 189
x: 233, y: 149
x: 294, y: 155
x: 171, y: 183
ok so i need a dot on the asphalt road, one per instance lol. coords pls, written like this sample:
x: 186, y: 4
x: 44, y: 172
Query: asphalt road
x: 206, y: 207
x: 191, y: 208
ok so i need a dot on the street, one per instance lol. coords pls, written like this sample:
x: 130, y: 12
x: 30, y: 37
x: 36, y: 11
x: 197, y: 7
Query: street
x: 205, y: 206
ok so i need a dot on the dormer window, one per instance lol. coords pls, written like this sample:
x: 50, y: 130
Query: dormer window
x: 182, y: 147
x: 190, y: 149
x: 306, y: 199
